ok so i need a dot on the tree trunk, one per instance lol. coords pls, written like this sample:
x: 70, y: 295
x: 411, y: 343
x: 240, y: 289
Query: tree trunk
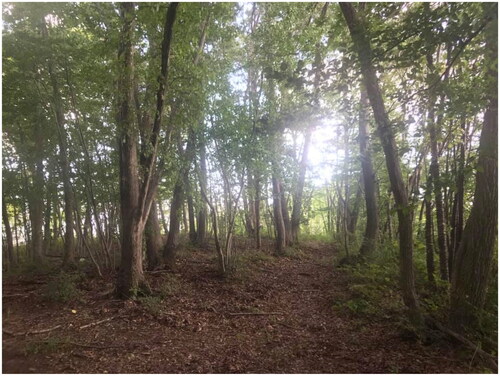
x: 371, y: 230
x: 153, y: 238
x: 285, y: 214
x: 475, y: 254
x: 136, y: 197
x: 458, y: 212
x: 37, y: 198
x: 299, y: 191
x: 48, y: 213
x: 278, y: 216
x: 162, y: 216
x: 130, y: 276
x: 16, y: 235
x: 363, y: 48
x: 434, y: 170
x: 69, y: 237
x: 191, y: 216
x: 175, y: 219
x: 429, y: 238
x: 256, y: 205
x: 201, y: 236
x: 8, y: 235
x: 354, y: 215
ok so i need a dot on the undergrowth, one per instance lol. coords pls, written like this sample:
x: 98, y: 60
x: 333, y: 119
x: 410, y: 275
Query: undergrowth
x: 170, y: 286
x: 62, y: 288
x: 46, y: 346
x: 374, y: 291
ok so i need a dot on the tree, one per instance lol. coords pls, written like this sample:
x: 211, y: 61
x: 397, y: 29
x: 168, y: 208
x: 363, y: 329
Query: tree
x: 474, y: 256
x: 135, y: 196
x: 362, y: 46
x: 371, y: 231
x: 8, y: 235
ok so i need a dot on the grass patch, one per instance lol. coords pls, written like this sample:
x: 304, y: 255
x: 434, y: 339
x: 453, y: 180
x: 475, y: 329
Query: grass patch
x: 170, y: 286
x: 62, y: 288
x: 294, y: 253
x: 152, y: 304
x: 46, y: 346
x: 373, y: 288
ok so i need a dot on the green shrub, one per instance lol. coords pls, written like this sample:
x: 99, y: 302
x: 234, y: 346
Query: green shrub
x: 152, y: 304
x: 62, y: 288
x: 170, y: 286
x: 46, y: 346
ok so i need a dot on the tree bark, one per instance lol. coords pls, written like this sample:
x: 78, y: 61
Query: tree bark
x: 474, y: 256
x: 201, y: 237
x: 135, y: 196
x: 36, y: 204
x: 162, y: 216
x: 458, y: 205
x: 429, y: 238
x: 257, y: 180
x: 154, y: 240
x: 8, y: 235
x: 362, y: 46
x: 130, y: 276
x: 175, y: 221
x: 190, y: 207
x: 285, y: 214
x: 278, y: 215
x: 371, y: 230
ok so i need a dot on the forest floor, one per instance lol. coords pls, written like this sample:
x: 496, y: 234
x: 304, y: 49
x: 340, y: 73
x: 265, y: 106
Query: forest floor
x: 293, y: 324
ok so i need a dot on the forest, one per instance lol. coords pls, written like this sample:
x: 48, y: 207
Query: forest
x: 249, y: 187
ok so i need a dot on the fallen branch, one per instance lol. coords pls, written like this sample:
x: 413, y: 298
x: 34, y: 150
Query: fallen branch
x: 91, y: 346
x: 488, y: 358
x: 255, y: 313
x: 98, y: 322
x: 17, y: 295
x: 41, y: 331
x: 161, y: 272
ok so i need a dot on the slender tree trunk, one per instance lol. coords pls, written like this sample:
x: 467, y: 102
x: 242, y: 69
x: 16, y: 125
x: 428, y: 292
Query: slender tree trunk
x: 474, y: 256
x: 130, y: 276
x: 436, y: 180
x: 354, y: 215
x: 162, y: 216
x: 8, y: 235
x: 371, y: 231
x: 363, y: 48
x: 16, y: 234
x: 285, y: 214
x: 153, y: 238
x: 190, y: 206
x: 278, y: 215
x: 48, y: 214
x: 458, y: 212
x: 175, y: 219
x: 37, y: 198
x: 429, y: 237
x: 248, y: 211
x: 202, y: 213
x: 299, y: 191
x: 69, y: 238
x: 256, y: 204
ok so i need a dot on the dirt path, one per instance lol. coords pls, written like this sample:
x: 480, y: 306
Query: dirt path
x: 193, y: 331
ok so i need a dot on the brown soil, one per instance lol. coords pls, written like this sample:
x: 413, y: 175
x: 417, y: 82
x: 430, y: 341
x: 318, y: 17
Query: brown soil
x: 193, y: 331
